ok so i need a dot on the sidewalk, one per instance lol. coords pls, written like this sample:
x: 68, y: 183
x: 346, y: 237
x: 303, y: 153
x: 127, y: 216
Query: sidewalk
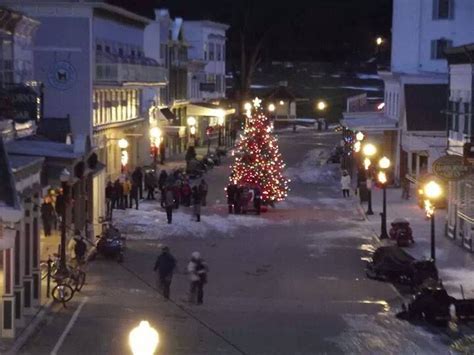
x: 455, y: 264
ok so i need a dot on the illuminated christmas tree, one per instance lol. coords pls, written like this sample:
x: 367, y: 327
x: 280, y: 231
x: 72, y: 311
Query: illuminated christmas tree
x: 258, y: 161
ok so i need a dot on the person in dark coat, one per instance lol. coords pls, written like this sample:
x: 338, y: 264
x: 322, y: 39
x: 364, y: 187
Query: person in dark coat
x: 169, y: 204
x: 118, y: 195
x: 177, y: 193
x: 47, y: 215
x: 162, y: 180
x: 197, y: 271
x: 164, y: 266
x: 239, y: 190
x: 137, y: 179
x: 203, y: 191
x: 196, y: 197
x: 134, y: 195
x: 231, y: 190
x: 109, y: 197
x: 186, y: 194
x: 150, y: 185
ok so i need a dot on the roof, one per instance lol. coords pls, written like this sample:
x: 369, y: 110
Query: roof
x: 19, y: 162
x: 424, y: 104
x: 280, y: 93
x: 461, y: 54
x: 42, y: 149
x: 208, y: 23
x: 55, y: 129
x: 8, y: 194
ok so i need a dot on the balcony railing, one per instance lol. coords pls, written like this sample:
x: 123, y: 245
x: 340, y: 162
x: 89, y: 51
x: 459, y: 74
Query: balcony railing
x: 132, y: 73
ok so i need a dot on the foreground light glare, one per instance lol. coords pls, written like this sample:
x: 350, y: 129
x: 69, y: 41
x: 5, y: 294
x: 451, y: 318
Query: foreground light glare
x: 155, y: 133
x: 381, y: 106
x: 357, y: 146
x: 367, y: 163
x: 247, y: 106
x: 384, y: 163
x: 359, y: 136
x: 143, y: 339
x: 369, y: 150
x: 432, y: 190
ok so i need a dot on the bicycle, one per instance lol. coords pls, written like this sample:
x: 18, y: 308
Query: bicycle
x: 54, y: 267
x: 68, y: 284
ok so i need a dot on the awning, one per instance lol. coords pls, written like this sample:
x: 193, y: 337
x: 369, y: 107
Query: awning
x: 166, y: 112
x: 206, y: 109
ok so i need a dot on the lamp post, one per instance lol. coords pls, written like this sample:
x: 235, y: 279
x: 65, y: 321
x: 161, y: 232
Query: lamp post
x: 433, y: 191
x: 369, y: 150
x: 64, y: 178
x: 384, y: 164
x: 155, y: 135
x: 144, y: 339
x: 123, y: 145
x: 321, y: 107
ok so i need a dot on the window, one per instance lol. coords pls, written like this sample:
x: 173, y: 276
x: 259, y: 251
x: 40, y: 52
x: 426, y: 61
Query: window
x: 467, y: 118
x: 211, y: 51
x: 205, y: 51
x: 219, y: 52
x: 107, y: 49
x: 98, y: 47
x: 438, y: 46
x: 443, y: 9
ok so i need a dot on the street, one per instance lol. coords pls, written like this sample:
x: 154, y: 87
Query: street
x: 290, y: 281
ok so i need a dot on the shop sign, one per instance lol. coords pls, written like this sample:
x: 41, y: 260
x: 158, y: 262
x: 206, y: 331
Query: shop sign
x: 19, y: 103
x: 451, y: 168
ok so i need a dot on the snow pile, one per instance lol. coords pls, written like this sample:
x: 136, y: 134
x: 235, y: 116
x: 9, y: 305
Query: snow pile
x: 321, y: 242
x: 311, y: 170
x: 453, y: 278
x: 150, y: 223
x: 385, y: 334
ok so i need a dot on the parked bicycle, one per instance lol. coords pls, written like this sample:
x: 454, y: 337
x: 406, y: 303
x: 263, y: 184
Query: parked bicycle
x: 54, y: 267
x: 68, y: 284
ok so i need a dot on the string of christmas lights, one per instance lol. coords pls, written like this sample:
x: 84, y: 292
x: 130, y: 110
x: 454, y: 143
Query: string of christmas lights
x: 258, y: 160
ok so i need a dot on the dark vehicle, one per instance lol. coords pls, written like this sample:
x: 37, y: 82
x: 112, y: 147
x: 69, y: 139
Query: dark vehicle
x: 393, y: 264
x: 110, y: 244
x: 432, y: 304
x: 401, y: 232
x: 336, y: 155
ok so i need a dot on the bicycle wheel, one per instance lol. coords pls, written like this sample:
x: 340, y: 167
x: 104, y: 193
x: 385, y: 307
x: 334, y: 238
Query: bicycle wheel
x: 62, y: 293
x: 81, y: 280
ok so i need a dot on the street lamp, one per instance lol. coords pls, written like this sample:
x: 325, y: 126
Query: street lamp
x: 143, y: 339
x: 271, y: 108
x: 368, y: 150
x: 384, y: 164
x: 123, y: 145
x: 64, y: 177
x: 191, y: 121
x: 379, y: 41
x: 433, y: 191
x: 360, y: 136
x: 321, y: 105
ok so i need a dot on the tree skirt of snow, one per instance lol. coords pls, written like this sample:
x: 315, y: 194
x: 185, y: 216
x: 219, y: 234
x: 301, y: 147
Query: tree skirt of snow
x: 385, y: 334
x: 151, y: 223
x: 311, y: 170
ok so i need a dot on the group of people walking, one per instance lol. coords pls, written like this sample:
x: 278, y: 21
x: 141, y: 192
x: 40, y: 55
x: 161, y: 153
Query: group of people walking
x: 124, y: 192
x: 196, y: 269
x: 239, y: 198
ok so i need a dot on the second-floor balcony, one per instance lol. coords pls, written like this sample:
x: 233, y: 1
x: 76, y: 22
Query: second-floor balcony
x: 110, y: 68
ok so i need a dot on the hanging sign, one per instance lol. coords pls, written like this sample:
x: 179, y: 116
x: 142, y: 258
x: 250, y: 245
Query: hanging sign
x: 451, y: 168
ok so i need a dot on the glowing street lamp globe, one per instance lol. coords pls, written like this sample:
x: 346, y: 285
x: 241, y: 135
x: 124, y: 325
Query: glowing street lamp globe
x: 382, y: 177
x: 271, y: 107
x: 247, y: 106
x: 123, y: 143
x: 357, y: 146
x: 321, y: 105
x: 379, y: 41
x: 432, y: 190
x: 360, y: 136
x: 191, y: 121
x: 143, y: 339
x: 384, y: 163
x: 369, y: 150
x: 155, y: 133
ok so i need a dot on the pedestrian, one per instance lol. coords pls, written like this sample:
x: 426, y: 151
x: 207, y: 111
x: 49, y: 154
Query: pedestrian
x: 150, y: 185
x: 60, y: 205
x: 196, y: 197
x: 162, y: 152
x: 197, y: 270
x: 186, y: 194
x: 231, y: 190
x: 203, y: 191
x: 162, y: 180
x: 134, y: 195
x: 169, y: 204
x: 257, y: 199
x: 164, y: 266
x: 137, y: 179
x: 345, y: 183
x: 80, y: 249
x: 109, y: 196
x: 177, y: 193
x: 47, y: 215
x: 405, y: 188
x: 127, y: 187
x: 118, y: 195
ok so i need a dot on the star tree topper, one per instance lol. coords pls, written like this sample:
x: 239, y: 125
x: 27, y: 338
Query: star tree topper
x: 256, y: 102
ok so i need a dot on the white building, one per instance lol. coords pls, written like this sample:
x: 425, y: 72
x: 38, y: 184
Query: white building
x: 460, y: 220
x: 207, y: 53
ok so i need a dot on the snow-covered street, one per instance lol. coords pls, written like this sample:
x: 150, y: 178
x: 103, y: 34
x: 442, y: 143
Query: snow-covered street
x: 290, y: 281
